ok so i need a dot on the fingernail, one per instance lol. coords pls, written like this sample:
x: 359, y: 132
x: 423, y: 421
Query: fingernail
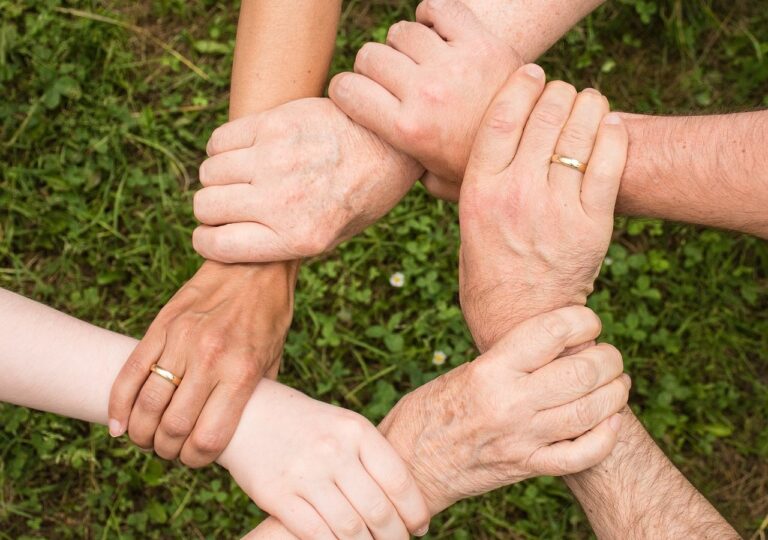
x: 534, y: 70
x: 591, y: 91
x: 612, y: 119
x: 422, y: 531
x: 115, y: 427
x: 615, y: 422
x: 627, y: 380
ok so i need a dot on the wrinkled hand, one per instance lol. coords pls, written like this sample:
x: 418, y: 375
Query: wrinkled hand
x: 294, y: 182
x: 515, y: 412
x: 533, y: 233
x: 221, y: 332
x: 325, y: 472
x: 426, y: 90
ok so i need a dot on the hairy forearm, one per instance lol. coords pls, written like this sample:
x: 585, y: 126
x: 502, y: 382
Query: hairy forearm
x: 637, y: 493
x: 708, y: 170
x: 531, y: 26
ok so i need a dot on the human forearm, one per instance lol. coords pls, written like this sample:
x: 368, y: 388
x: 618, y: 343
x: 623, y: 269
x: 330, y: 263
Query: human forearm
x: 531, y: 27
x: 637, y: 493
x: 282, y: 52
x: 708, y: 170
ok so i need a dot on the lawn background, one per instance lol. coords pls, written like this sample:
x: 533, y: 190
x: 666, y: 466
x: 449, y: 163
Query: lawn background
x: 102, y: 126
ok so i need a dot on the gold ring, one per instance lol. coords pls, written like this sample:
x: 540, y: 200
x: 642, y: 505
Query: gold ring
x: 165, y: 374
x: 570, y: 162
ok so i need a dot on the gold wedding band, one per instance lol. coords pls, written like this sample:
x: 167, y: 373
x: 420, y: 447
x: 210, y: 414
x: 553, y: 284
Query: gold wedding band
x: 570, y: 162
x: 165, y: 374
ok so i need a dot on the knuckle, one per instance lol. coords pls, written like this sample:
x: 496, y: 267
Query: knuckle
x: 549, y: 115
x: 352, y: 526
x: 151, y: 400
x: 208, y: 442
x: 434, y: 93
x: 409, y: 128
x: 314, y: 243
x: 176, y: 426
x: 577, y: 135
x: 400, y: 483
x: 584, y: 415
x: 502, y: 118
x: 210, y: 347
x: 328, y: 446
x: 137, y: 365
x: 314, y: 529
x: 555, y: 326
x: 380, y: 512
x: 611, y: 354
x: 585, y: 373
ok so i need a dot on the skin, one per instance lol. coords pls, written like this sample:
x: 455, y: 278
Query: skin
x: 506, y: 170
x: 509, y: 429
x: 722, y: 183
x: 225, y: 328
x: 430, y: 94
x: 333, y: 173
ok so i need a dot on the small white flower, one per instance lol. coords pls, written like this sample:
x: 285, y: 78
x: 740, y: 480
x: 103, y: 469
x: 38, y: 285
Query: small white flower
x: 397, y: 279
x: 608, y: 261
x: 439, y: 358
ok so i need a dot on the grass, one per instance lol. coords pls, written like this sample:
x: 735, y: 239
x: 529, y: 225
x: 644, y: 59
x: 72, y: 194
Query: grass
x: 105, y: 112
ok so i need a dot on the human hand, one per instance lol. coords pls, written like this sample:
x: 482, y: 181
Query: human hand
x: 534, y: 233
x: 294, y: 182
x: 325, y: 472
x: 517, y: 411
x: 426, y: 90
x: 221, y: 332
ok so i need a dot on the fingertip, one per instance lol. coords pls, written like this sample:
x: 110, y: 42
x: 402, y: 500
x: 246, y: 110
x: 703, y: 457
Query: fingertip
x: 339, y: 86
x: 533, y: 71
x: 116, y: 428
x: 614, y: 422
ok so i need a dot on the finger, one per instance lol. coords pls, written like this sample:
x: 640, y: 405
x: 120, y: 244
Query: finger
x: 370, y: 502
x: 606, y: 166
x: 241, y: 243
x: 367, y: 103
x: 131, y: 378
x: 578, y: 417
x: 441, y: 189
x: 571, y: 377
x: 180, y: 416
x: 539, y: 340
x: 451, y: 19
x: 341, y: 517
x: 577, y: 141
x: 497, y: 138
x: 216, y: 424
x: 387, y: 66
x: 301, y: 519
x: 235, y: 167
x: 218, y: 205
x: 155, y: 396
x: 569, y: 457
x: 415, y: 40
x: 240, y: 133
x: 546, y: 123
x: 388, y: 470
